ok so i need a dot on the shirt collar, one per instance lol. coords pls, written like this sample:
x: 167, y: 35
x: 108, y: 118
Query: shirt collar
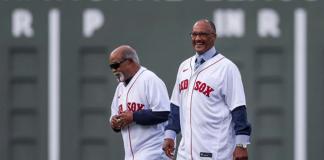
x: 126, y: 82
x: 207, y: 55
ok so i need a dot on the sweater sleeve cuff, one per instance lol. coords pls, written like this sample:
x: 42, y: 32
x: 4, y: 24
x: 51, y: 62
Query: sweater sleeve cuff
x: 242, y: 139
x: 136, y: 116
x: 170, y: 134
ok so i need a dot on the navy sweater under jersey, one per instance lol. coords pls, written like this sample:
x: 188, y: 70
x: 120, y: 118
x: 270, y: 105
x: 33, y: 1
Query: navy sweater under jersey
x: 239, y: 117
x: 147, y: 116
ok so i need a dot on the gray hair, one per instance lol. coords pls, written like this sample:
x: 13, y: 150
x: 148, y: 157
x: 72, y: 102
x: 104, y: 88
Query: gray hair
x: 211, y: 24
x: 130, y: 53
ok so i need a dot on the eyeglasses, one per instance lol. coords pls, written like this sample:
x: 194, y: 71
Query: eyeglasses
x: 201, y: 34
x: 117, y: 65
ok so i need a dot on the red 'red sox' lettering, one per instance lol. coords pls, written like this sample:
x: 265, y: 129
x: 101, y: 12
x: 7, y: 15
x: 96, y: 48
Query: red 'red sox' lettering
x: 183, y: 85
x: 203, y: 88
x: 131, y: 106
x: 199, y: 86
x: 120, y: 109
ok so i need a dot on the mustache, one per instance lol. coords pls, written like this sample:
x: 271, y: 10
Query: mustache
x: 199, y: 41
x: 117, y: 74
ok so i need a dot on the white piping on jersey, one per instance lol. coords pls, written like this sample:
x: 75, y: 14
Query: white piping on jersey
x: 191, y: 101
x: 191, y: 67
x: 130, y: 142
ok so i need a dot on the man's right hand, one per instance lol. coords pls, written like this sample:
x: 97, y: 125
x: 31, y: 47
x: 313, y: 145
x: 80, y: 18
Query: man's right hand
x: 168, y: 147
x: 115, y: 122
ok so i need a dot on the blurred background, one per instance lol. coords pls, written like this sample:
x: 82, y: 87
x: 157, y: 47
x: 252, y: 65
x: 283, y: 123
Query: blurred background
x: 56, y: 86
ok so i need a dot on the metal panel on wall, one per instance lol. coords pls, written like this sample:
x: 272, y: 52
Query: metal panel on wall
x: 86, y: 94
x: 23, y: 84
x: 315, y: 109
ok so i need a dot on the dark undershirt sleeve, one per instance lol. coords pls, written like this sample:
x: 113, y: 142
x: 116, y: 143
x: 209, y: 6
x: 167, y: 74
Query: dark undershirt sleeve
x: 241, y: 125
x: 174, y: 119
x: 149, y: 117
x: 116, y: 130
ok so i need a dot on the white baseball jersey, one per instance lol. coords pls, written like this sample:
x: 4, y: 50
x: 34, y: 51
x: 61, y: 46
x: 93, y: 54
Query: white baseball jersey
x: 206, y: 98
x: 144, y: 91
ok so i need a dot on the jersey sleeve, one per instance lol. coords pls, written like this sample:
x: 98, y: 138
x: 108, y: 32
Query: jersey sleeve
x: 114, y: 106
x: 233, y: 87
x: 157, y: 94
x: 175, y: 97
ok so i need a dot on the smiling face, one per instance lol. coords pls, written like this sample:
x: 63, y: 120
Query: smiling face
x: 202, y: 36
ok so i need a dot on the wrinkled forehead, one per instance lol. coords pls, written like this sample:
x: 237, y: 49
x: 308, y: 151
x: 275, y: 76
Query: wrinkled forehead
x: 115, y: 57
x: 202, y: 26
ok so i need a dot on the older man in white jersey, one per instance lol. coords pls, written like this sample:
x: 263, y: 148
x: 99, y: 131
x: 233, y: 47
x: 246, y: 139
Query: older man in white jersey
x: 140, y: 107
x: 208, y: 104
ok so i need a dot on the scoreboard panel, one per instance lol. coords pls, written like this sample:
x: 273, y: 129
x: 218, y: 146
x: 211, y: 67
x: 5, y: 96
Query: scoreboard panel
x: 263, y: 37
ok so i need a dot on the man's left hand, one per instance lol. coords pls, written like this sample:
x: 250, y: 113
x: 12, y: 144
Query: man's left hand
x: 126, y: 118
x: 240, y: 153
